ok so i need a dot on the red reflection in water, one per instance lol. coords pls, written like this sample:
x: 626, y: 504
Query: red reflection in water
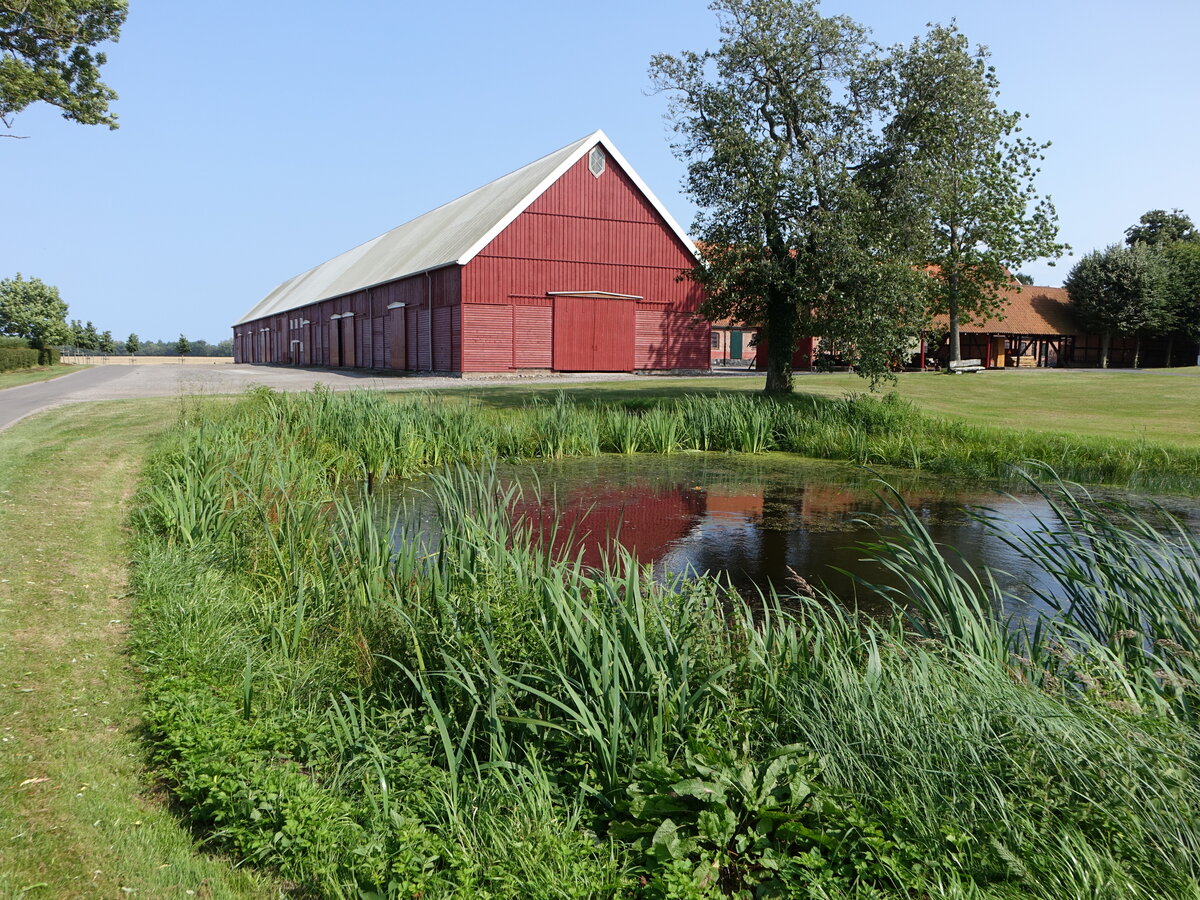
x: 645, y: 520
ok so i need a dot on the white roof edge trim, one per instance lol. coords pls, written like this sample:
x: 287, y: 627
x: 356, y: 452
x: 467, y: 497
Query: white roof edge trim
x: 585, y: 147
x: 595, y: 294
x: 396, y: 305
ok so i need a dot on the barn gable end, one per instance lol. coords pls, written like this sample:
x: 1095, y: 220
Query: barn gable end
x: 587, y: 244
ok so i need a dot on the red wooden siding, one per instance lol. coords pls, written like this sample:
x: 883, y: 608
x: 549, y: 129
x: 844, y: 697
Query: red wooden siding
x: 490, y: 348
x: 443, y: 342
x: 412, y: 332
x: 671, y: 339
x: 532, y: 330
x: 424, y: 348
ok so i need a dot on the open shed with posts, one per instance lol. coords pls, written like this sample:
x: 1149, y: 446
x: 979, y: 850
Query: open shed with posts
x: 567, y: 264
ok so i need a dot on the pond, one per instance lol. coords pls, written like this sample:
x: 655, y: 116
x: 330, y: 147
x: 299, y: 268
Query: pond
x: 757, y: 519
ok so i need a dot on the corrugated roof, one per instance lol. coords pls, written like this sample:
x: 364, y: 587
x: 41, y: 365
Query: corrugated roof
x: 452, y: 233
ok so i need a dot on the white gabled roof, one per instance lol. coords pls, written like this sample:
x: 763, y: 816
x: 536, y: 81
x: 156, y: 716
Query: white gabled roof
x: 453, y: 233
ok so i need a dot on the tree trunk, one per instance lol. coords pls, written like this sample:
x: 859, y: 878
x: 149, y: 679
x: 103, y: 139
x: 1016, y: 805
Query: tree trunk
x: 1137, y: 352
x: 952, y: 298
x: 1104, y: 342
x: 781, y: 344
x: 1170, y: 350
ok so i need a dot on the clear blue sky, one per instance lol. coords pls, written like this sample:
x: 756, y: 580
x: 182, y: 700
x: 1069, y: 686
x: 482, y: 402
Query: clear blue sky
x: 260, y: 138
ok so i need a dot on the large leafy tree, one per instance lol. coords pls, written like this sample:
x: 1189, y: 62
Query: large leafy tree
x: 1161, y: 227
x: 774, y: 126
x: 47, y: 56
x: 957, y: 161
x: 1183, y: 287
x: 1175, y: 234
x: 32, y: 309
x: 1121, y: 290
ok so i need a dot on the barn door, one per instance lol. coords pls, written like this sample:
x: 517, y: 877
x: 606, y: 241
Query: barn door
x: 347, y: 323
x: 335, y: 343
x: 593, y: 334
x: 399, y: 339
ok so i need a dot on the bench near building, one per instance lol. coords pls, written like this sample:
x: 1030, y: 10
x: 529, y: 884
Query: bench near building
x: 567, y: 264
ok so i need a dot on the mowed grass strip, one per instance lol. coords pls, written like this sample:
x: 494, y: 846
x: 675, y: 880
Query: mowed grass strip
x: 77, y: 816
x: 36, y: 374
x: 1116, y: 403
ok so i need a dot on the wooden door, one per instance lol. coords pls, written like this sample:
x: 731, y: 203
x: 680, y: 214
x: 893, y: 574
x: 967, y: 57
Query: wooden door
x: 399, y: 339
x: 335, y: 343
x: 593, y: 334
x: 347, y: 323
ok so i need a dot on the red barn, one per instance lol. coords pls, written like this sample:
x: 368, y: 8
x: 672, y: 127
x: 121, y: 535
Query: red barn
x: 567, y: 264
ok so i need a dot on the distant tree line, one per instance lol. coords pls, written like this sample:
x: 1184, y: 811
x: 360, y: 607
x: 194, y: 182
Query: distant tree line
x: 172, y: 348
x: 34, y: 312
x: 86, y: 339
x: 1147, y: 287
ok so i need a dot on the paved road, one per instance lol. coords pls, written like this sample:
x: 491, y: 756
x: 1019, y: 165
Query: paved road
x: 18, y: 402
x: 123, y: 382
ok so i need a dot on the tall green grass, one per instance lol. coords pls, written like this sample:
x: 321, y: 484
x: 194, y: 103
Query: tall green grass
x: 366, y: 437
x: 372, y: 716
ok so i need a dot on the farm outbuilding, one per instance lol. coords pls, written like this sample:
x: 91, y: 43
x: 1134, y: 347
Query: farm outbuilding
x: 568, y: 264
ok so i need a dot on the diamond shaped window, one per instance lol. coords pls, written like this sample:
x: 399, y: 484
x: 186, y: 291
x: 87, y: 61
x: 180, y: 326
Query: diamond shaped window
x: 596, y: 161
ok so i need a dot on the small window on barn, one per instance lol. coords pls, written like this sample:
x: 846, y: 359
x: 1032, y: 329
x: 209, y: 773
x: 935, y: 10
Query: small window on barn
x: 716, y: 340
x: 596, y: 161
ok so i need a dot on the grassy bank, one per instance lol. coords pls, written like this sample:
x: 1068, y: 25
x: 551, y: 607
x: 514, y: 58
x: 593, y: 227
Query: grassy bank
x: 1117, y: 404
x: 36, y: 374
x: 377, y: 435
x: 77, y: 817
x: 375, y: 721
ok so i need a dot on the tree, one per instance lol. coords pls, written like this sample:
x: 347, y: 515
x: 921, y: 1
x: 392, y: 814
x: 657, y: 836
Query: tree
x: 132, y: 343
x: 773, y: 126
x: 183, y: 347
x: 46, y: 56
x: 1161, y: 227
x: 1024, y: 279
x: 957, y: 162
x: 33, y: 310
x: 1183, y: 286
x: 105, y: 343
x: 1121, y: 290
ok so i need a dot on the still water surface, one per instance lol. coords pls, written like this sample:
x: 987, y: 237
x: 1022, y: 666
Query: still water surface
x: 755, y: 519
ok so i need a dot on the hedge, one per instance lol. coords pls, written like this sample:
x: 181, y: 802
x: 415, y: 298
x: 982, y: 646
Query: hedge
x: 49, y: 356
x: 17, y: 358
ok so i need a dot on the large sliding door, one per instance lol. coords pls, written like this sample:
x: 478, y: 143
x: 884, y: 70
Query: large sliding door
x: 593, y: 334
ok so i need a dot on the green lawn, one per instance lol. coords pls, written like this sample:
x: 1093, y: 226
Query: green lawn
x: 78, y: 818
x: 37, y: 373
x: 1110, y: 404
